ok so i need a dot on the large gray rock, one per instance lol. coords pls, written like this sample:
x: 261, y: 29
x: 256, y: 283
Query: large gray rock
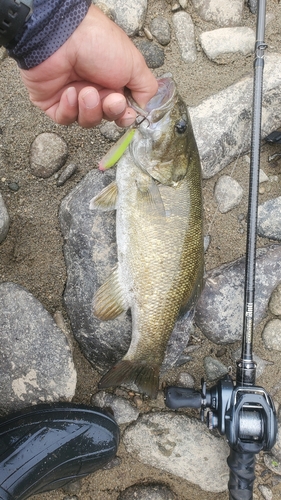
x: 220, y: 44
x: 222, y: 122
x: 182, y: 446
x: 184, y: 31
x: 129, y: 16
x: 36, y: 362
x: 219, y: 312
x: 91, y: 254
x: 221, y: 12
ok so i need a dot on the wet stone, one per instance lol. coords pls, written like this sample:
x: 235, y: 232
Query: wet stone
x: 154, y: 55
x: 147, y: 492
x: 37, y: 364
x: 47, y: 155
x: 160, y: 29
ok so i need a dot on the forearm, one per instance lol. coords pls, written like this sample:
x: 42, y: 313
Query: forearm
x: 50, y: 25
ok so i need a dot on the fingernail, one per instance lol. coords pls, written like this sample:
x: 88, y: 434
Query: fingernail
x: 117, y: 107
x: 71, y: 96
x: 91, y: 99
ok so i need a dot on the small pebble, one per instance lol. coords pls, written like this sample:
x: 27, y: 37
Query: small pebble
x: 111, y: 131
x: 73, y: 488
x: 262, y: 177
x: 228, y: 193
x: 214, y: 369
x: 221, y: 352
x: 176, y: 7
x: 115, y: 462
x: 148, y: 34
x: 13, y: 186
x: 47, y: 154
x: 67, y: 173
x: 266, y: 492
x: 185, y: 380
x: 154, y: 55
x: 183, y: 4
x: 207, y: 241
x: 160, y: 29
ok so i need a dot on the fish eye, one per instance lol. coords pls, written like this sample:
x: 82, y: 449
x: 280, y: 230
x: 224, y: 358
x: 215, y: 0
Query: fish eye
x: 181, y: 126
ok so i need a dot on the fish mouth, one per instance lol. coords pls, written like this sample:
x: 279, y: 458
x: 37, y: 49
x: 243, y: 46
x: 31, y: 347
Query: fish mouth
x: 160, y: 103
x: 155, y: 121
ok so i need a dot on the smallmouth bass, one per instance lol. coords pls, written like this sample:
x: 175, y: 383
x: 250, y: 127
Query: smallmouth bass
x: 157, y: 196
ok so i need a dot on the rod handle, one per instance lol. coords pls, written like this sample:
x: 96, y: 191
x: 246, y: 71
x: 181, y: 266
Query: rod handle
x: 182, y: 397
x: 242, y: 475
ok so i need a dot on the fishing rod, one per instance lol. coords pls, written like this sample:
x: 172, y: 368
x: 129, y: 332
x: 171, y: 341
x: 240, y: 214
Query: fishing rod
x: 242, y: 411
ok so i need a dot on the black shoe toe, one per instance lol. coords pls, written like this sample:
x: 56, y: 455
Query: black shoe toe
x: 45, y: 447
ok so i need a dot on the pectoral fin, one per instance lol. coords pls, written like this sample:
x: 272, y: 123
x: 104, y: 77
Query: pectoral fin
x: 106, y: 199
x: 109, y: 300
x: 149, y: 197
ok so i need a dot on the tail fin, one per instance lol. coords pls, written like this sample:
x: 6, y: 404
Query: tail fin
x: 144, y: 376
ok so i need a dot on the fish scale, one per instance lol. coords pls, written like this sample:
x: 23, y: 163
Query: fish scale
x: 159, y: 239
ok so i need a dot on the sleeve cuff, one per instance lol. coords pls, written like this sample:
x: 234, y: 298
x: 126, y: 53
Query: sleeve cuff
x: 51, y: 24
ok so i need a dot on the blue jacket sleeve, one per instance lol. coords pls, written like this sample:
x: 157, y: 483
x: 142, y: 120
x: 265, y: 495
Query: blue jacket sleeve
x: 50, y: 25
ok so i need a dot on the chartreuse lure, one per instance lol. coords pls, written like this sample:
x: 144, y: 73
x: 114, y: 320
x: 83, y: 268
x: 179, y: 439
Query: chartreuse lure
x: 117, y: 150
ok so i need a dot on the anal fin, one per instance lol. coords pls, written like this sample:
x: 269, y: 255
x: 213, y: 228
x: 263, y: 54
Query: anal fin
x: 109, y: 301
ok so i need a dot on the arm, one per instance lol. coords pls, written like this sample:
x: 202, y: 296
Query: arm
x: 84, y: 78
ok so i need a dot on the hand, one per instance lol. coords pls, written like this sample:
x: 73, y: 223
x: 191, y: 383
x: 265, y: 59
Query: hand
x: 84, y: 79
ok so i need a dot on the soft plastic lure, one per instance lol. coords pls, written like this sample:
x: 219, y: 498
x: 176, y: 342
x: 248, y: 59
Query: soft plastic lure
x: 117, y: 150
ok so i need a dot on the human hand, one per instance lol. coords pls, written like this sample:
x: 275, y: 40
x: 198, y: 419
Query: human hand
x: 84, y: 79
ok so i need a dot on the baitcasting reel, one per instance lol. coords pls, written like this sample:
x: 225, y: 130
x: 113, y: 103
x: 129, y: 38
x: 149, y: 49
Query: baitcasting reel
x: 246, y: 415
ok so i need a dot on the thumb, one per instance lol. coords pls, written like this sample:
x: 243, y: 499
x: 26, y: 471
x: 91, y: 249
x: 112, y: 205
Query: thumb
x: 143, y: 87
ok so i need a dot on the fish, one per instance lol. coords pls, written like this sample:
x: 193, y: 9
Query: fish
x: 157, y: 195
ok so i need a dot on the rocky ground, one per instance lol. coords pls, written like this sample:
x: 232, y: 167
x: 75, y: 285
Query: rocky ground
x: 162, y: 455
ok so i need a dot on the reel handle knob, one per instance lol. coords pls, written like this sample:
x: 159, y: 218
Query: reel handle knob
x: 182, y: 397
